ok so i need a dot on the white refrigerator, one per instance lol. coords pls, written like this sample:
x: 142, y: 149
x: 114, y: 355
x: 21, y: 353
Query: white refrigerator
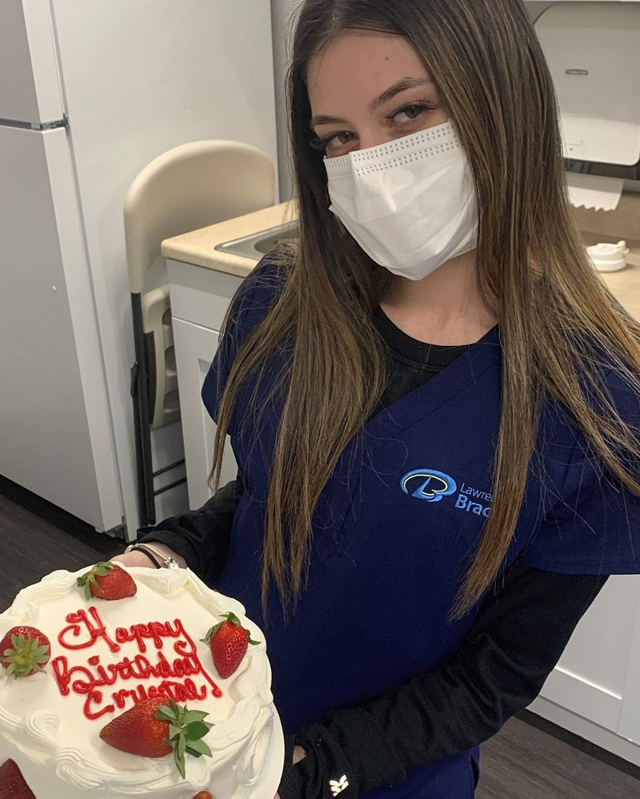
x: 91, y: 92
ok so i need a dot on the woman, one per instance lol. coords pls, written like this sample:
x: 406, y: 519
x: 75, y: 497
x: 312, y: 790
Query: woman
x: 433, y: 403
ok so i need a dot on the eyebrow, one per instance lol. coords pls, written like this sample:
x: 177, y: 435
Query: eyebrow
x: 399, y: 86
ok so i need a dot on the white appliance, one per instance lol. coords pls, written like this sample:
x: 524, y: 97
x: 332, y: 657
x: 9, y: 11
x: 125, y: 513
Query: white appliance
x: 592, y: 51
x: 91, y: 92
x: 591, y: 48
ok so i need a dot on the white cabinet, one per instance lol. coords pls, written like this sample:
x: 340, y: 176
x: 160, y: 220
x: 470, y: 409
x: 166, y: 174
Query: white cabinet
x: 594, y: 691
x: 629, y: 727
x: 199, y: 301
x: 195, y: 348
x: 596, y: 678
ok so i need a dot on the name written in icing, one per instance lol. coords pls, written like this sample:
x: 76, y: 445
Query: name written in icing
x: 177, y: 675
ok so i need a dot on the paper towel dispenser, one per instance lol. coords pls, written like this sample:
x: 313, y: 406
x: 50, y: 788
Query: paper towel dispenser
x: 593, y: 50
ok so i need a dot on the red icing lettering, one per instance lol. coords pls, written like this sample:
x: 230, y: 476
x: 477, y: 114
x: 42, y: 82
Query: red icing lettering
x: 165, y: 675
x: 154, y: 630
x: 142, y: 694
x: 119, y: 698
x: 94, y: 627
x: 96, y: 696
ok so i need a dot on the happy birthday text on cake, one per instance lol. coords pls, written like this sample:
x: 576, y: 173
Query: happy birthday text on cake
x: 182, y: 676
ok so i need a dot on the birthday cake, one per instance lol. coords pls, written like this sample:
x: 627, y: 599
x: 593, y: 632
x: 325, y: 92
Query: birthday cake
x: 132, y: 682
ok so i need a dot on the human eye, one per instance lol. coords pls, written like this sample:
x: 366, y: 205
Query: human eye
x: 410, y: 113
x: 334, y: 144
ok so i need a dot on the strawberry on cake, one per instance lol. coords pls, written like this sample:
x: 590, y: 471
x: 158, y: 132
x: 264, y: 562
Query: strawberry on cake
x: 128, y: 682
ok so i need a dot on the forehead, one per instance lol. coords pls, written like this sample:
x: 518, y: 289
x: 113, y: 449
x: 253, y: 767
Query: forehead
x: 359, y: 66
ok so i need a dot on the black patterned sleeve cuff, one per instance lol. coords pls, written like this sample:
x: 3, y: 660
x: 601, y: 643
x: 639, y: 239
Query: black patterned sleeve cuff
x: 347, y: 756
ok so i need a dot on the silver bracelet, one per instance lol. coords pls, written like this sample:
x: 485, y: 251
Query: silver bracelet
x: 167, y: 561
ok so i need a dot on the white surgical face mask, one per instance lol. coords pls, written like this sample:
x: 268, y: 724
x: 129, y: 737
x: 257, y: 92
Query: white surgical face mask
x: 410, y: 204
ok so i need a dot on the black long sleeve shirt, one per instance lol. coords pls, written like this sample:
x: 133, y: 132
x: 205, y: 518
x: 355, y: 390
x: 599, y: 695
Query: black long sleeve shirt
x: 512, y: 646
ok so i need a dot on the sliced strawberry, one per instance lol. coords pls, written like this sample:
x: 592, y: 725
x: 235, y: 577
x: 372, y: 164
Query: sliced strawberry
x: 12, y: 784
x: 156, y: 728
x: 24, y: 651
x: 107, y: 581
x: 203, y: 795
x: 229, y: 642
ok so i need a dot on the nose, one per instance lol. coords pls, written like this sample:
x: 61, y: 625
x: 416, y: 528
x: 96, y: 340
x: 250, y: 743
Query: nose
x: 372, y: 138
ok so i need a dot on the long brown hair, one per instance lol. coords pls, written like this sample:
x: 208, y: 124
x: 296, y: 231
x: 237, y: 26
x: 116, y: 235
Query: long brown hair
x: 533, y: 271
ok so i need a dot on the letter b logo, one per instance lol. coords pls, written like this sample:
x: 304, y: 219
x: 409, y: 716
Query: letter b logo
x: 429, y: 485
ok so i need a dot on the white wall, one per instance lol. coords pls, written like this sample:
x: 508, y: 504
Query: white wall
x: 536, y: 7
x: 282, y: 12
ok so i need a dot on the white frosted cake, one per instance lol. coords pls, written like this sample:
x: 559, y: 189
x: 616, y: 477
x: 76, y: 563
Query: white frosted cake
x: 99, y: 659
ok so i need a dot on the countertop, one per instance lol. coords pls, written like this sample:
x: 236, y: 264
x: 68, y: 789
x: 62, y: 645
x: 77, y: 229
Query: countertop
x: 198, y: 247
x: 625, y: 285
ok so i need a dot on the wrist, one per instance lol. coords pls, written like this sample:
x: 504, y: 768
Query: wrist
x: 298, y: 754
x: 167, y: 552
x: 134, y: 559
x: 159, y: 554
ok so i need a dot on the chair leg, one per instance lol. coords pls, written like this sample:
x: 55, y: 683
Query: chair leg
x: 142, y: 417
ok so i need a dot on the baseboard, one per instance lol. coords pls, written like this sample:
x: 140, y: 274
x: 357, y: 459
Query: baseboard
x: 56, y: 516
x: 602, y: 744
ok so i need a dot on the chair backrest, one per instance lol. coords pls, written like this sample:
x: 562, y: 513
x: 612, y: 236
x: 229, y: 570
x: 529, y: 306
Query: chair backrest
x: 188, y: 187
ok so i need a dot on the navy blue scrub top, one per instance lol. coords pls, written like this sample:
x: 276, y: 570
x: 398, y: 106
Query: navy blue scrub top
x: 396, y: 526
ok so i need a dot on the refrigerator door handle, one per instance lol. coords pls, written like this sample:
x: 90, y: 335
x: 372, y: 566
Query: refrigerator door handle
x: 59, y: 123
x: 37, y: 126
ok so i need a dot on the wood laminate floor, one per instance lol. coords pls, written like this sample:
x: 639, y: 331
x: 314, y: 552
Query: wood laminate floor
x: 522, y: 762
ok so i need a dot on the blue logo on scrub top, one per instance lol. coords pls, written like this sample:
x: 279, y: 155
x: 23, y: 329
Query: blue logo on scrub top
x: 431, y: 486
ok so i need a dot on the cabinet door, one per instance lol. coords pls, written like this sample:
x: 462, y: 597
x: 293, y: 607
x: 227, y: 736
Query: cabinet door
x: 591, y: 678
x: 629, y: 727
x: 195, y: 349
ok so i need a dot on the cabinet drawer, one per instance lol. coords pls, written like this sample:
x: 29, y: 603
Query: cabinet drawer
x: 200, y: 296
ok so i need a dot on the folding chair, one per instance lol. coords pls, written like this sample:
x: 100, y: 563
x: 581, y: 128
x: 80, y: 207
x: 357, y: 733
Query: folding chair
x: 187, y: 188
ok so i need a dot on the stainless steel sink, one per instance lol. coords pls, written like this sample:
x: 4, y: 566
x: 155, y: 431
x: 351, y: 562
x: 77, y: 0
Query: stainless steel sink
x: 258, y: 244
